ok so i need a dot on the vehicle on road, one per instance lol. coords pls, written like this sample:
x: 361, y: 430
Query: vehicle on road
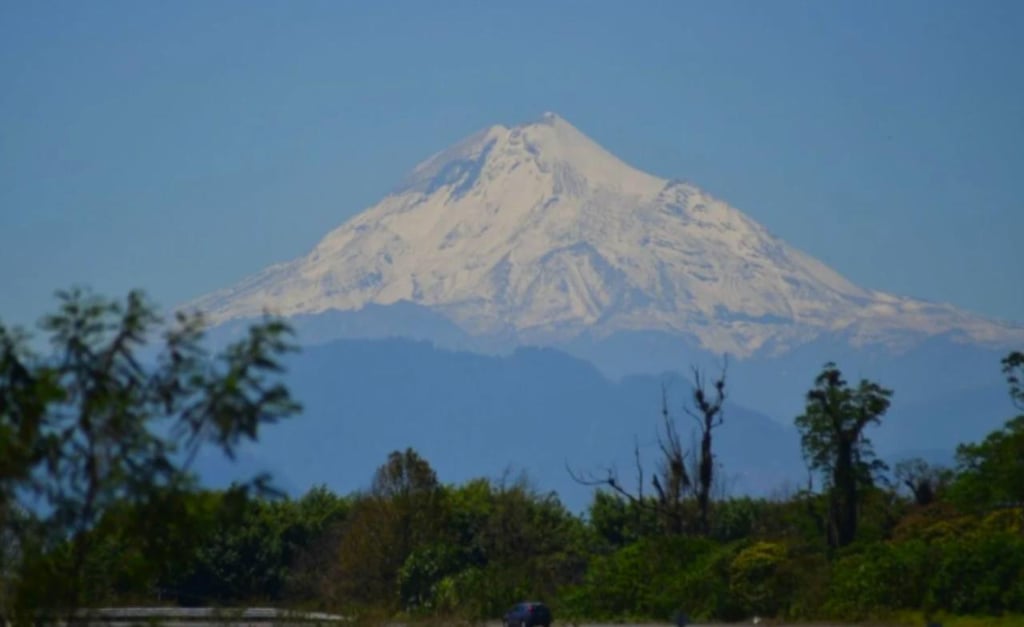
x: 527, y: 614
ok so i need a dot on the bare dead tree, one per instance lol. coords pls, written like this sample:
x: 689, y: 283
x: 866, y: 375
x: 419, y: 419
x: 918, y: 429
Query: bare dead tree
x: 707, y: 411
x: 674, y: 480
x: 671, y: 481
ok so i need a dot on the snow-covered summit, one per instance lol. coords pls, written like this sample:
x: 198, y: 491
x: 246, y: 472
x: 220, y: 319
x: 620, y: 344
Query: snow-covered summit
x: 550, y: 142
x: 538, y: 233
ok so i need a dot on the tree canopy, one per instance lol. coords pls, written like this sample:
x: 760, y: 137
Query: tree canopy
x: 835, y: 445
x: 106, y: 419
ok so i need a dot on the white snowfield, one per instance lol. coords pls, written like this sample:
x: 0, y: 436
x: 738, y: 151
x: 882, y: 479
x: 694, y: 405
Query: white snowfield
x: 538, y: 233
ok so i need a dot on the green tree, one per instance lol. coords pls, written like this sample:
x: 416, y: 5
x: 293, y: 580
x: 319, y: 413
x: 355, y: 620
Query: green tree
x: 404, y: 511
x: 415, y: 500
x: 101, y: 421
x: 834, y: 444
x: 505, y: 540
x: 991, y: 473
x: 755, y: 578
x: 319, y: 517
x: 242, y: 554
x: 656, y: 577
x: 619, y: 522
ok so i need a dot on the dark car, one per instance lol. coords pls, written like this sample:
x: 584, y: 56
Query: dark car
x: 527, y: 614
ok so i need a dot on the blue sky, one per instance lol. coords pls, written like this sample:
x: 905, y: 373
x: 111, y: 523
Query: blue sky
x: 179, y: 146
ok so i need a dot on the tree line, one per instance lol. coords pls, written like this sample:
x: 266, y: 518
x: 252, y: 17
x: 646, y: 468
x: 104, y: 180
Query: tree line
x: 99, y: 506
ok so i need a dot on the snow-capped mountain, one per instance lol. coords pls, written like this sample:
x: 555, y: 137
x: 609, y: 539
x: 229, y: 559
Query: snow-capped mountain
x: 537, y: 233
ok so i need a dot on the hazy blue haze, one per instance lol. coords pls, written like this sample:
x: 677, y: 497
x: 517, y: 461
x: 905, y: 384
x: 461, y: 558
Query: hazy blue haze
x: 180, y: 146
x: 536, y: 411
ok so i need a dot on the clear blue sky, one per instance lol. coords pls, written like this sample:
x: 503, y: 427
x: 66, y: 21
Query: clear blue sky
x: 179, y: 146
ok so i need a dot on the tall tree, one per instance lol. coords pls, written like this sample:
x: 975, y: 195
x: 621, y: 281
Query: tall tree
x: 415, y: 499
x: 405, y: 510
x: 834, y: 444
x: 707, y: 411
x: 101, y: 420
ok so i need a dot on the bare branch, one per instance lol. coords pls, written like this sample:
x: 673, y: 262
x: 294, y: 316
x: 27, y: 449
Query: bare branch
x: 611, y: 481
x: 707, y: 412
x: 639, y: 469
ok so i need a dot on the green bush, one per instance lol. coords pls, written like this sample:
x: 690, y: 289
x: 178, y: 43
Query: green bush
x: 979, y: 574
x: 876, y: 579
x: 656, y: 578
x: 754, y: 578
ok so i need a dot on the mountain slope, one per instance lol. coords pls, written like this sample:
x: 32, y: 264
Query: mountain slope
x: 471, y: 415
x: 537, y: 234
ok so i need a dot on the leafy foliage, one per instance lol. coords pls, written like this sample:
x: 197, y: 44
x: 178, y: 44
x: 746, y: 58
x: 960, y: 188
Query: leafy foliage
x: 991, y: 473
x: 834, y: 444
x: 754, y: 578
x: 98, y: 506
x: 95, y: 425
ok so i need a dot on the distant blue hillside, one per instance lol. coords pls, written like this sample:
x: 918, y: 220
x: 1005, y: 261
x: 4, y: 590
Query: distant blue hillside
x: 537, y: 411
